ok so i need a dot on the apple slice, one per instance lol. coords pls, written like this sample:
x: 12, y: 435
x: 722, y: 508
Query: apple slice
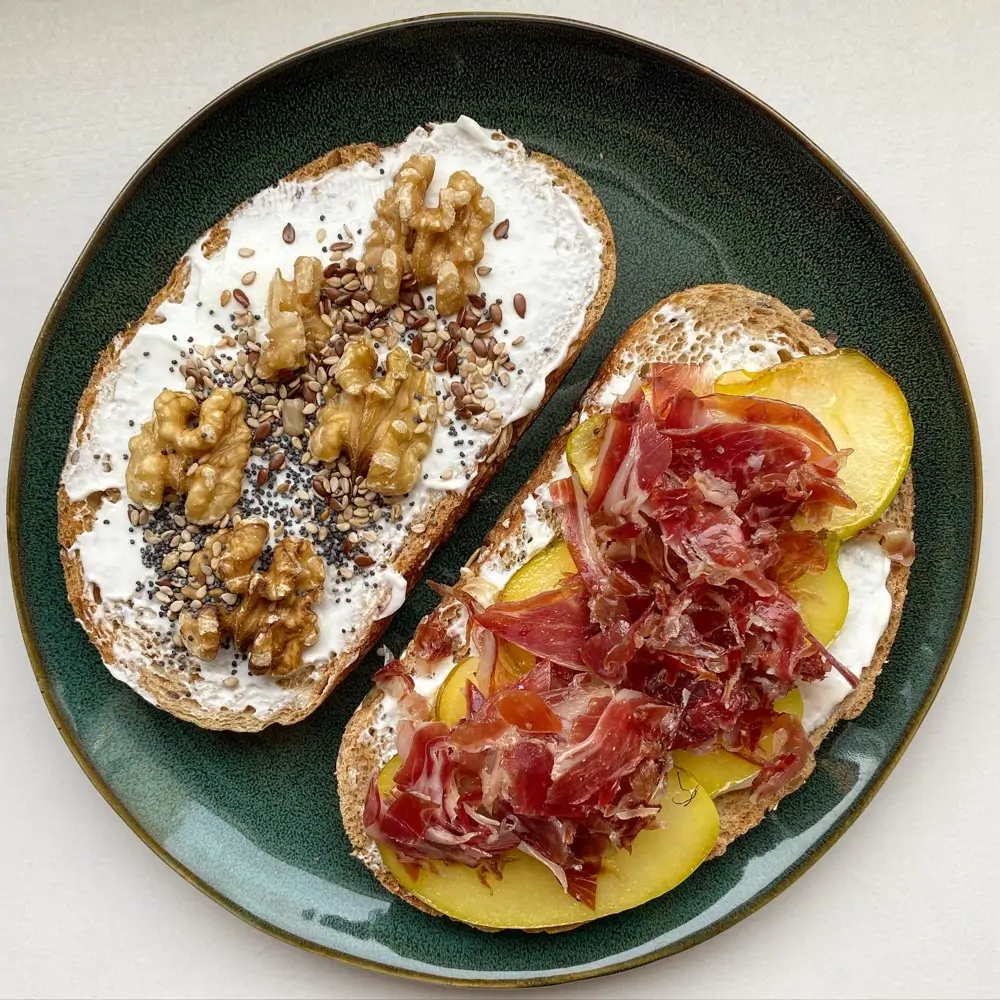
x: 450, y: 704
x: 583, y: 447
x: 823, y: 597
x: 529, y: 896
x: 862, y: 408
x: 719, y: 771
x: 544, y: 571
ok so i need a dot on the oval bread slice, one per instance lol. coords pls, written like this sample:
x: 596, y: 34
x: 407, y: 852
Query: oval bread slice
x: 720, y: 323
x: 137, y: 659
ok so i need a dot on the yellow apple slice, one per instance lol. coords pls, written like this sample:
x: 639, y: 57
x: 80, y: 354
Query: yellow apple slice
x: 862, y: 408
x: 544, y: 571
x: 823, y: 597
x: 529, y: 896
x: 583, y: 446
x: 720, y: 771
x: 735, y: 377
x: 450, y: 705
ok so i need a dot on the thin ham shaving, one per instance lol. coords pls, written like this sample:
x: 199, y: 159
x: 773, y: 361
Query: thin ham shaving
x: 578, y: 532
x: 435, y: 638
x: 485, y: 646
x: 394, y: 680
x: 673, y: 383
x: 414, y: 705
x: 614, y: 443
x: 677, y: 632
x: 897, y: 543
x: 774, y: 412
x: 550, y: 625
x: 792, y: 753
x: 611, y: 751
x: 799, y: 552
x: 609, y: 588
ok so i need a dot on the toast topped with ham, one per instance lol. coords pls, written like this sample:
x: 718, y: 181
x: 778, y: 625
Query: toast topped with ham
x: 704, y: 575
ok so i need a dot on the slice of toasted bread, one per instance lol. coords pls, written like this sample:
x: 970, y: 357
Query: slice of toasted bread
x: 725, y: 325
x: 136, y: 656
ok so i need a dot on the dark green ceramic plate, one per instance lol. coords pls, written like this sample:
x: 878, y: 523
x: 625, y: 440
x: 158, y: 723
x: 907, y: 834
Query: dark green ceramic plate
x: 702, y: 183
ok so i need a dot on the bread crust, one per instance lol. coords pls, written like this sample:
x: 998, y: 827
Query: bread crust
x: 722, y: 312
x: 165, y: 689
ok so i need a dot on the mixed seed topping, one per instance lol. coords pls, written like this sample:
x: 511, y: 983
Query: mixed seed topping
x: 349, y: 525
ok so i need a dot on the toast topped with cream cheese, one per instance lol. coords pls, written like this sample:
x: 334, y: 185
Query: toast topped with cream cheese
x: 263, y: 462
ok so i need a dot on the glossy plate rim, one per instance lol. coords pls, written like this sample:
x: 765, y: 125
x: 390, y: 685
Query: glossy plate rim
x: 68, y: 288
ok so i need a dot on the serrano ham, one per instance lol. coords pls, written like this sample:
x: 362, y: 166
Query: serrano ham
x: 675, y: 633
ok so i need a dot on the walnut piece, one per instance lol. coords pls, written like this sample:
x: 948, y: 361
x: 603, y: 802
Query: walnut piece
x: 270, y: 613
x: 376, y: 422
x: 230, y: 555
x: 200, y: 632
x: 386, y: 247
x: 296, y: 329
x: 441, y: 245
x: 196, y: 450
x: 275, y: 620
x: 449, y: 241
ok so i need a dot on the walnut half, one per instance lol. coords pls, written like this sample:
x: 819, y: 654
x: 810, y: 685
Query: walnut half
x: 296, y: 328
x: 270, y: 613
x: 198, y: 450
x: 275, y: 620
x: 440, y: 244
x: 376, y: 422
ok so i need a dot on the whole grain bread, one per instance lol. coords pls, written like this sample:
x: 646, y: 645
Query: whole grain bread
x: 691, y: 326
x: 167, y: 688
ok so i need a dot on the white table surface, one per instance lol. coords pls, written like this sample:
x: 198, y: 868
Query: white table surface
x: 905, y: 97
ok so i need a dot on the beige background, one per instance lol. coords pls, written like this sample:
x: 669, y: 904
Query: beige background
x: 904, y: 96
